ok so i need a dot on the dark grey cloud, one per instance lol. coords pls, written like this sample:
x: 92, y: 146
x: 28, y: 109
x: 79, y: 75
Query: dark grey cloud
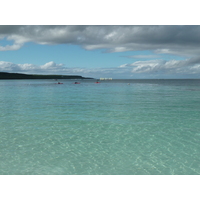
x: 181, y: 40
x: 8, y: 29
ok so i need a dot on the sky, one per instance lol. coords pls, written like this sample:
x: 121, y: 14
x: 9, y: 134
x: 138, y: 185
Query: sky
x: 102, y: 51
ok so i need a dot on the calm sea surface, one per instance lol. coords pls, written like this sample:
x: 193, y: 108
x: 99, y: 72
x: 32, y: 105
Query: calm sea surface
x: 118, y: 127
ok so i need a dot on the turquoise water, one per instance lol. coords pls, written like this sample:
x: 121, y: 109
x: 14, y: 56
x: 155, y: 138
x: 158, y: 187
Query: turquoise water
x: 149, y: 127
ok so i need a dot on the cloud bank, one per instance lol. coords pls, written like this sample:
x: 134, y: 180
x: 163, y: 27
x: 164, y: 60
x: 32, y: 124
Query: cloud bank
x: 48, y: 68
x: 138, y: 69
x: 180, y: 40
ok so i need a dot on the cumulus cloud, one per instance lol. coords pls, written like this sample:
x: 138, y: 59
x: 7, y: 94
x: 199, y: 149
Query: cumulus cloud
x: 188, y: 66
x: 180, y: 40
x: 139, y: 69
x: 48, y: 68
x: 13, y: 47
x: 52, y: 68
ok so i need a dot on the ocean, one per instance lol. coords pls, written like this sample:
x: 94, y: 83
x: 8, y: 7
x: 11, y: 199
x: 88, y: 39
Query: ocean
x: 116, y: 127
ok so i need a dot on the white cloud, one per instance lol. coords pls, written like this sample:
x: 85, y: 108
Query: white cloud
x: 188, y: 66
x: 47, y: 68
x: 123, y: 66
x: 13, y: 47
x: 51, y: 65
x: 143, y: 56
x: 17, y: 40
x: 144, y: 69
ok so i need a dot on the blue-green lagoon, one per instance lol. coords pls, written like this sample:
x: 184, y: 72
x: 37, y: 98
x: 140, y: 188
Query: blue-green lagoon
x: 118, y: 127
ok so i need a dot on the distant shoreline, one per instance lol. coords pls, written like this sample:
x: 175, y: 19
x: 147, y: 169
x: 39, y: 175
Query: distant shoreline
x: 6, y: 75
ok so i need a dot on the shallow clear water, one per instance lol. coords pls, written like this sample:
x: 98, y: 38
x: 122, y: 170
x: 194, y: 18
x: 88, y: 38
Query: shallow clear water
x: 147, y: 127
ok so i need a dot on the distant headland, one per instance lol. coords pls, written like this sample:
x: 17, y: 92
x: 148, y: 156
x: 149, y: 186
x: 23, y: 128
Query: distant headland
x: 6, y: 75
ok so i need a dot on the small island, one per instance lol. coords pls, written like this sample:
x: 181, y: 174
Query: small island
x: 6, y: 75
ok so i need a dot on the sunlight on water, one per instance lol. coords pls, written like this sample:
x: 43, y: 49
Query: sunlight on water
x: 148, y: 127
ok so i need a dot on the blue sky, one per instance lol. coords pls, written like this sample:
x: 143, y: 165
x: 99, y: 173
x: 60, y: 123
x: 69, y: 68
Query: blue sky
x: 102, y: 51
